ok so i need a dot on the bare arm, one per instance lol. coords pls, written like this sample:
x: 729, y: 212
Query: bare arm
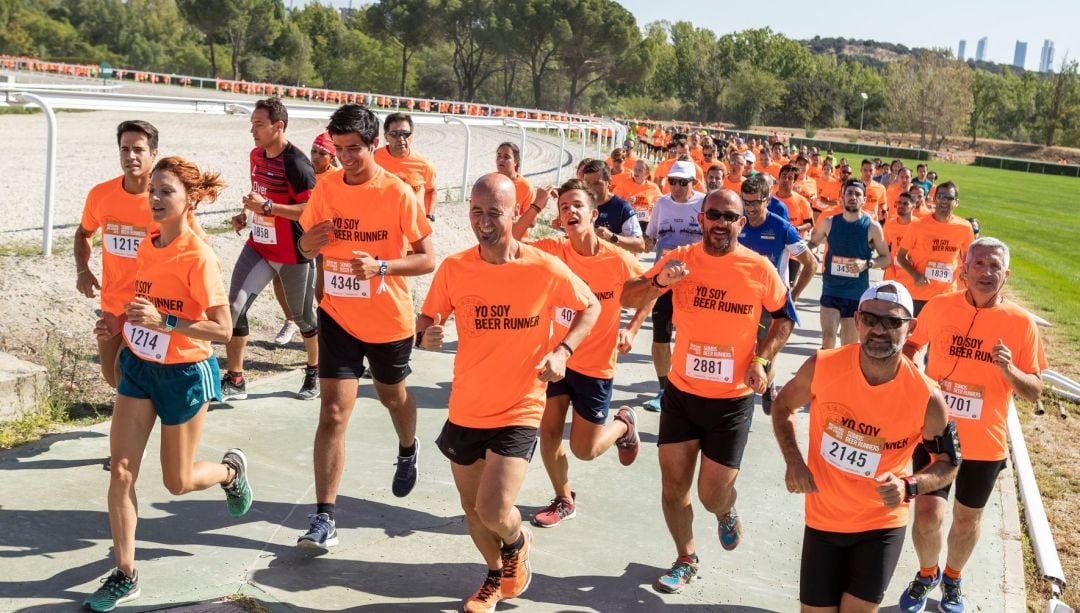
x: 85, y: 281
x: 877, y: 241
x: 1026, y: 385
x: 820, y: 233
x: 640, y: 292
x: 216, y: 327
x: 791, y: 398
x: 905, y: 263
x: 527, y: 220
x: 806, y: 273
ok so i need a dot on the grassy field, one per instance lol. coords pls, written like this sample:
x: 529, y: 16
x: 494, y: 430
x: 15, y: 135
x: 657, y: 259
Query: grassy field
x: 1038, y: 216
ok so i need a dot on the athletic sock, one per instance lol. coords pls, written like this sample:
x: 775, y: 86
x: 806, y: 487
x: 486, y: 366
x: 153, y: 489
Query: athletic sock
x: 515, y: 545
x: 325, y: 507
x: 406, y: 451
x: 663, y: 382
x: 311, y: 368
x: 952, y: 573
x: 929, y: 571
x: 235, y: 377
x: 690, y: 559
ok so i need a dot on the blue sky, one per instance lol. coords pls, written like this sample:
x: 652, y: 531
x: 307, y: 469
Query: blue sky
x: 933, y: 23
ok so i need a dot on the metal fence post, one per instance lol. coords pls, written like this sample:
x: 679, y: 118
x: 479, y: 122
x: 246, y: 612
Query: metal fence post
x: 468, y: 147
x: 50, y: 172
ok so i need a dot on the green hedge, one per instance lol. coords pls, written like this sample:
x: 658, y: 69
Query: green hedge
x: 1046, y: 168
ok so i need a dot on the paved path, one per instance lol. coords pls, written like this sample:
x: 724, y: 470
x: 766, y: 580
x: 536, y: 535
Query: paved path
x: 414, y: 554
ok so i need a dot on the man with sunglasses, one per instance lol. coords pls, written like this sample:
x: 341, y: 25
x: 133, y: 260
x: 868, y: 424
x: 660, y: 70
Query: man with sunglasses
x: 933, y: 250
x: 869, y: 407
x: 718, y: 289
x: 998, y: 354
x: 848, y: 260
x: 775, y: 238
x: 399, y: 159
x: 673, y: 223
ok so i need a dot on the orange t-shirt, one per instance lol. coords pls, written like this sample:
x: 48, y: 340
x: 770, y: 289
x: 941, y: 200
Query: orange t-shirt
x: 618, y: 180
x: 962, y: 340
x: 381, y: 217
x: 857, y: 432
x: 892, y: 195
x: 415, y: 170
x: 814, y: 172
x: 717, y: 308
x: 894, y: 234
x: 663, y: 167
x: 125, y: 221
x: 330, y: 172
x: 829, y: 191
x: 937, y: 250
x: 604, y: 273
x: 733, y: 184
x: 798, y: 207
x: 526, y: 193
x: 876, y: 199
x: 772, y: 169
x: 184, y: 279
x: 697, y: 155
x: 504, y: 315
x: 807, y: 188
x: 923, y: 212
x: 641, y: 197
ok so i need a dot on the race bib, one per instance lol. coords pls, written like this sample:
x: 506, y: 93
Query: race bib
x: 844, y: 267
x: 145, y: 343
x: 965, y: 400
x: 641, y: 208
x: 710, y: 362
x: 852, y: 452
x: 938, y: 271
x: 122, y: 239
x: 263, y: 230
x: 564, y: 316
x: 339, y: 280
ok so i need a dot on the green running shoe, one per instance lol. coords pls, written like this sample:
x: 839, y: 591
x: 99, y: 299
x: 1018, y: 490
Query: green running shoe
x: 238, y: 493
x: 117, y: 589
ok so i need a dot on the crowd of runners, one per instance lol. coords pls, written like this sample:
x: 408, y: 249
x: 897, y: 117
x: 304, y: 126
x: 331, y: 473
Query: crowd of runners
x: 713, y: 238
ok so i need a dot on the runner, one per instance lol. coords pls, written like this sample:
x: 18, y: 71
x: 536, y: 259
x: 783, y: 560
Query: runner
x: 167, y: 368
x: 590, y: 371
x: 799, y: 212
x: 714, y: 177
x: 616, y: 222
x: 849, y: 237
x: 720, y: 289
x: 504, y: 294
x: 900, y: 185
x: 998, y: 354
x: 325, y: 163
x: 733, y: 178
x: 363, y: 224
x: 869, y: 407
x: 921, y: 178
x: 674, y: 223
x: 804, y: 184
x: 828, y: 189
x: 876, y: 199
x: 622, y: 170
x: 775, y: 238
x: 920, y: 208
x: 766, y: 164
x: 120, y: 208
x: 508, y: 163
x: 894, y: 234
x: 400, y: 160
x: 640, y: 192
x: 281, y: 181
x: 932, y: 252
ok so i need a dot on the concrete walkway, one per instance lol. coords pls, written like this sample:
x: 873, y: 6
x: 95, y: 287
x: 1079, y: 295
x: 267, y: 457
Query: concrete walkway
x: 414, y: 554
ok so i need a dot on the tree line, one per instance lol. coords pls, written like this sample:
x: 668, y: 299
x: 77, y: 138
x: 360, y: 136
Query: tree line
x: 586, y: 56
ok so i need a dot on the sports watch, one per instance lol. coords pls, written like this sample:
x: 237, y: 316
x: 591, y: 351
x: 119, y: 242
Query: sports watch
x: 171, y: 321
x: 267, y: 207
x: 911, y: 488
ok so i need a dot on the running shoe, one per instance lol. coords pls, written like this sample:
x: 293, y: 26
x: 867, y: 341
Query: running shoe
x: 674, y: 580
x: 116, y: 589
x: 654, y: 404
x: 406, y: 472
x: 952, y: 600
x: 310, y: 389
x: 485, y: 598
x: 287, y: 333
x: 516, y: 572
x: 231, y: 390
x: 322, y: 535
x: 913, y: 600
x: 630, y: 443
x: 238, y: 493
x: 560, y: 508
x: 730, y: 529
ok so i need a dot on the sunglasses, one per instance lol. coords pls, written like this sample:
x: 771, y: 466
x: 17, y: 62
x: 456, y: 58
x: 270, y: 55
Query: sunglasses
x: 757, y: 202
x: 887, y: 321
x: 679, y: 182
x: 727, y: 216
x: 399, y: 134
x: 944, y: 197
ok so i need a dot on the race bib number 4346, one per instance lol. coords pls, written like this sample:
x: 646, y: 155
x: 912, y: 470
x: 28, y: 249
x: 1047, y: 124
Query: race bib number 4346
x: 339, y: 280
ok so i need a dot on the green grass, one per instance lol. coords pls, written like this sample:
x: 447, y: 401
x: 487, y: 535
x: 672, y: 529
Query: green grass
x: 1038, y: 216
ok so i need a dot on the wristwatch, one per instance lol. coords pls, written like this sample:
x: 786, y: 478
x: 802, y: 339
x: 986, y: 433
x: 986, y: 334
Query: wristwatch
x: 171, y: 321
x: 267, y: 207
x: 911, y: 488
x: 383, y: 266
x: 614, y: 238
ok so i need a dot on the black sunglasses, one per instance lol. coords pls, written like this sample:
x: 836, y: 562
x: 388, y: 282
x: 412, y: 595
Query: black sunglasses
x: 887, y: 321
x: 680, y: 182
x: 757, y: 202
x: 727, y: 216
x: 399, y: 134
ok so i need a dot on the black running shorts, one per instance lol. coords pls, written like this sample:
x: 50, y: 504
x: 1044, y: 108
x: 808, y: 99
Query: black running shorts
x: 342, y: 355
x: 661, y: 319
x: 721, y: 424
x: 857, y: 563
x: 465, y: 446
x: 974, y: 481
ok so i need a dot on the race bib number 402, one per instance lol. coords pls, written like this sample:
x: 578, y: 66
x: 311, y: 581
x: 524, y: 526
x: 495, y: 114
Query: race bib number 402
x: 852, y: 452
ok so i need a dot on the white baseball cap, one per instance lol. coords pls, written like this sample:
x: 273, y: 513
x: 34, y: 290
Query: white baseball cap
x: 749, y: 156
x: 682, y: 170
x: 889, y: 291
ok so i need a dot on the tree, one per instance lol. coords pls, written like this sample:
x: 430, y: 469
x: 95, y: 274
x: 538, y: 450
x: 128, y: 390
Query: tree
x: 408, y: 23
x: 930, y: 95
x: 541, y: 30
x: 603, y: 44
x: 1058, y: 101
x: 474, y: 32
x: 206, y: 18
x: 986, y: 95
x: 326, y: 35
x: 750, y: 93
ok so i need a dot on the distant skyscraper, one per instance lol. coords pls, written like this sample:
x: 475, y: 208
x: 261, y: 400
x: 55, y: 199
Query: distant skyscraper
x: 1020, y: 54
x: 980, y: 50
x: 961, y: 51
x: 1046, y: 57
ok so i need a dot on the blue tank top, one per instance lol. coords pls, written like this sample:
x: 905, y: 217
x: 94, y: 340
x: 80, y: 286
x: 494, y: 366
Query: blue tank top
x: 847, y: 240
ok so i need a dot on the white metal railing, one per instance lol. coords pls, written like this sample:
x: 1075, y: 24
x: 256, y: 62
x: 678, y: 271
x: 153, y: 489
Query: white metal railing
x: 83, y: 99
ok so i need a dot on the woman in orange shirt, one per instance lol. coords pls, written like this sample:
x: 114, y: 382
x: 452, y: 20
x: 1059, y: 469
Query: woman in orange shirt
x: 167, y: 367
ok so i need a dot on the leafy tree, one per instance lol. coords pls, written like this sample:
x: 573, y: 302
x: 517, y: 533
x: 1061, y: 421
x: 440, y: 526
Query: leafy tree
x: 408, y: 23
x: 327, y: 36
x: 603, y: 44
x: 205, y: 16
x: 986, y: 95
x: 930, y: 95
x: 1058, y: 100
x: 541, y: 31
x: 474, y: 31
x: 750, y: 93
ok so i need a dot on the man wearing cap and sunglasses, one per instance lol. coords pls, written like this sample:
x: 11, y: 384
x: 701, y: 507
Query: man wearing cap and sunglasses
x: 399, y: 159
x: 869, y: 408
x: 718, y: 290
x: 848, y: 260
x: 673, y: 223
